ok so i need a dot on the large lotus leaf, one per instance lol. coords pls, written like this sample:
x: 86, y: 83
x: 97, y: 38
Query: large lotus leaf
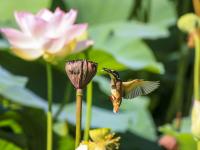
x: 8, y: 7
x: 13, y: 88
x: 162, y: 12
x: 103, y: 59
x: 131, y: 30
x: 134, y: 54
x: 5, y: 145
x: 135, y: 119
x: 101, y: 11
x: 125, y: 46
x: 7, y: 79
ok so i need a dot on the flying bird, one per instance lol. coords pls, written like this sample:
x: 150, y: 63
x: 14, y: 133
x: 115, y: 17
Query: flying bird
x: 129, y: 89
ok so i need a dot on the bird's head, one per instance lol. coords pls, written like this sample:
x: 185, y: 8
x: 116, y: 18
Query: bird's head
x: 112, y: 72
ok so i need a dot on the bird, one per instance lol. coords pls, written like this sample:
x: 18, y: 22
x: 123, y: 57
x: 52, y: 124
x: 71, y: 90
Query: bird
x: 129, y: 89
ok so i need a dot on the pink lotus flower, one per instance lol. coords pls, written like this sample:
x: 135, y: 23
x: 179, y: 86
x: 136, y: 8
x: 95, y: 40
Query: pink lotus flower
x: 46, y: 34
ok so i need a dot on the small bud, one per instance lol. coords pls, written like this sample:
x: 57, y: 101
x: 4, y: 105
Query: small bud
x: 189, y: 22
x: 80, y: 72
x: 99, y: 134
x: 103, y: 139
x: 196, y: 119
x: 168, y: 142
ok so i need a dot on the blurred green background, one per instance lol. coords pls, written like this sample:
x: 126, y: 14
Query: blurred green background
x: 138, y: 38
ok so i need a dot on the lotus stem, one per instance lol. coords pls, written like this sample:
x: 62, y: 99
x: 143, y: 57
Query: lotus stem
x: 196, y: 67
x: 88, y: 111
x: 49, y: 113
x: 79, y: 95
x: 198, y: 145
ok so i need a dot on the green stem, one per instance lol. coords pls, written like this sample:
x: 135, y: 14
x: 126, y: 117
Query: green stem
x: 49, y: 114
x: 198, y: 145
x: 176, y: 102
x: 88, y: 111
x: 196, y: 67
x: 79, y: 95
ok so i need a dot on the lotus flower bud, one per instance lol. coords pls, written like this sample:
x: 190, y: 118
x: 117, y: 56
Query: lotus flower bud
x: 168, y: 142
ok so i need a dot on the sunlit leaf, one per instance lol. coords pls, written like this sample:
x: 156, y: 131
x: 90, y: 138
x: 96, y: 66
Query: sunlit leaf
x: 186, y: 141
x: 5, y: 145
x: 134, y: 54
x: 103, y: 59
x: 12, y: 124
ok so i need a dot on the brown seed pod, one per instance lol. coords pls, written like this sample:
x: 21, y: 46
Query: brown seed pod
x: 80, y: 72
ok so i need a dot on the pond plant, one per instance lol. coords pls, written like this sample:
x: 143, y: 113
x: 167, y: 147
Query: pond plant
x: 49, y: 35
x: 80, y: 73
x: 190, y: 23
x: 123, y: 43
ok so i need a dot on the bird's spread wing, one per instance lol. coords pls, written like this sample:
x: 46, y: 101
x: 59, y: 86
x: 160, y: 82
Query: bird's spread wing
x: 138, y: 87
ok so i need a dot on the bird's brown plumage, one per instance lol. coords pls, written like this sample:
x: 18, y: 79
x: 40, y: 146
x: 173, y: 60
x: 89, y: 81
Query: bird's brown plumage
x: 129, y: 89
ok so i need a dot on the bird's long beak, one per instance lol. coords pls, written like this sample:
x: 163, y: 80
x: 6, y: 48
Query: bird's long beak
x: 115, y: 108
